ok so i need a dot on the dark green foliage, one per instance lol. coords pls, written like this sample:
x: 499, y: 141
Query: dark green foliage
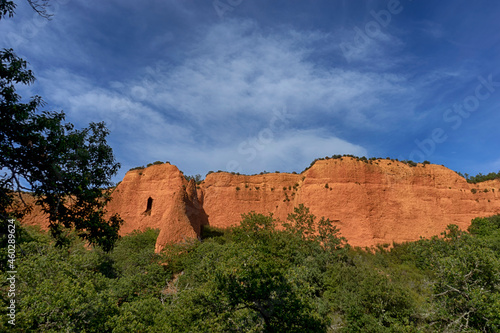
x: 252, y: 279
x: 370, y: 298
x: 197, y: 178
x: 264, y: 275
x: 362, y: 159
x: 210, y: 232
x: 7, y: 8
x: 482, y: 178
x: 75, y: 289
x: 154, y: 163
x: 488, y: 228
x: 485, y: 226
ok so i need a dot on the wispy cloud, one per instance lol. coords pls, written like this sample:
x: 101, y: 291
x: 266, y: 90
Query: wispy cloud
x: 238, y: 70
x: 224, y: 91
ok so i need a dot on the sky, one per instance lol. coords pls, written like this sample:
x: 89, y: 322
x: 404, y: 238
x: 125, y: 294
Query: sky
x: 251, y: 86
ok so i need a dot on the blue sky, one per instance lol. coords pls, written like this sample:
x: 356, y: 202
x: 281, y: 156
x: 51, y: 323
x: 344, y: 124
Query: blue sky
x: 248, y: 86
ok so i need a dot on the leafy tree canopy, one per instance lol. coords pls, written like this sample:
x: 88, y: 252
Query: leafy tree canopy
x: 259, y: 277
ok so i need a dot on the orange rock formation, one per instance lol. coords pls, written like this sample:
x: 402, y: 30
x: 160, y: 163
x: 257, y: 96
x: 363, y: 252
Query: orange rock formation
x: 372, y: 202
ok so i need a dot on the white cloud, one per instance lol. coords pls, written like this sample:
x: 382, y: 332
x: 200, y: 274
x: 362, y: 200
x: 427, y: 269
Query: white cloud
x: 297, y: 149
x: 128, y: 119
x: 236, y: 69
x: 360, y: 45
x: 292, y: 151
x: 224, y: 92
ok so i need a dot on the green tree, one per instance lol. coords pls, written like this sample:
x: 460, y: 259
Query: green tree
x: 197, y: 178
x: 68, y: 171
x: 240, y: 287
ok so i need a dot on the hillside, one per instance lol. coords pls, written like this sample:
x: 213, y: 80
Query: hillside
x: 372, y: 202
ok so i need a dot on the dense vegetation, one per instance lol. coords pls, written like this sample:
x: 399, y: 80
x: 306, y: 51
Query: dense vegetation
x: 482, y: 178
x: 301, y: 277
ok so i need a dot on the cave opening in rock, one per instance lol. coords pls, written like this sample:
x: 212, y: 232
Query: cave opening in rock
x: 149, y: 205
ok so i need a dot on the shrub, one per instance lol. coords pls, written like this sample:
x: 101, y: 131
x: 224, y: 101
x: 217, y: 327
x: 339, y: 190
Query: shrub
x: 412, y: 164
x: 196, y: 178
x: 481, y: 178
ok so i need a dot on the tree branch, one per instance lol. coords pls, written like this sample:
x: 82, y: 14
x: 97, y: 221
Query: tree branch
x: 40, y: 7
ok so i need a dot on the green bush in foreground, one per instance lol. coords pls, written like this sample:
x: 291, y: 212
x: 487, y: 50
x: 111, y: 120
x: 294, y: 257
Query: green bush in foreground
x: 262, y: 276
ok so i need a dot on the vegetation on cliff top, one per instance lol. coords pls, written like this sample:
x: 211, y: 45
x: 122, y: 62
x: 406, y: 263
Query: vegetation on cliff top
x: 259, y: 278
x: 480, y: 177
x: 471, y: 179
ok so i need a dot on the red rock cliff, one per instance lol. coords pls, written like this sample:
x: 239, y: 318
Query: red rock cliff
x: 159, y: 197
x: 371, y: 202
